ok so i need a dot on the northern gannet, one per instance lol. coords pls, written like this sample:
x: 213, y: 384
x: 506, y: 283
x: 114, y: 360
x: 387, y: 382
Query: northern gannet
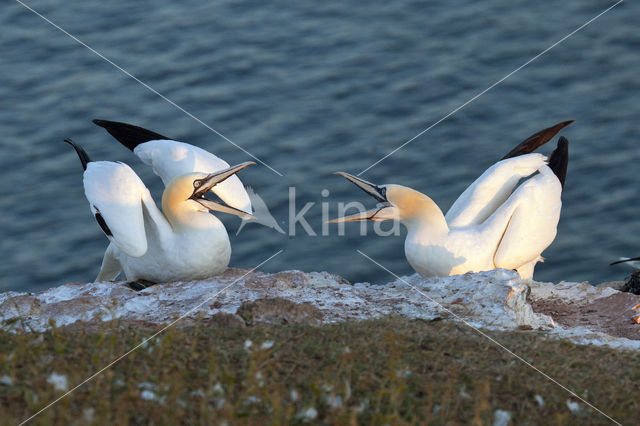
x: 632, y: 284
x: 495, y: 223
x: 634, y: 262
x: 183, y: 241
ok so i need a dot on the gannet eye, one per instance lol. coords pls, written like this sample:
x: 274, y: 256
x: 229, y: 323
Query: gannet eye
x: 197, y: 183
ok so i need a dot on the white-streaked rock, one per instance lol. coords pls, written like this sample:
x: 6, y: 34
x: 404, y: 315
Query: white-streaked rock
x: 570, y: 291
x: 493, y: 300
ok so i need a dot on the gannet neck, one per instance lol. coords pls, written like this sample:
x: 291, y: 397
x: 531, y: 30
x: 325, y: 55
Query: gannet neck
x: 181, y: 211
x: 419, y: 213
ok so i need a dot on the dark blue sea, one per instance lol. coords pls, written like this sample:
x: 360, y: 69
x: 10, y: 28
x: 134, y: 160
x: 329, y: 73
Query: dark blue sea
x: 310, y: 88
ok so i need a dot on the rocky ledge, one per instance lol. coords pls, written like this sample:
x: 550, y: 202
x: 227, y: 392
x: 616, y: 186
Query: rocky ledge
x: 494, y: 300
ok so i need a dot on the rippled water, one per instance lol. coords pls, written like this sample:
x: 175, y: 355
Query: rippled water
x: 310, y: 88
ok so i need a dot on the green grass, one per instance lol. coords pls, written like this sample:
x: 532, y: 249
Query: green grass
x: 387, y: 371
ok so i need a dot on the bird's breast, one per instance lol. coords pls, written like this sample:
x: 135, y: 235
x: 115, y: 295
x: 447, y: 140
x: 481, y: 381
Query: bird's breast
x: 455, y: 253
x: 185, y: 255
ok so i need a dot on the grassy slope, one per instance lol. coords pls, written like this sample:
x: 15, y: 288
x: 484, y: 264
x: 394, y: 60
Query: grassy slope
x: 391, y: 370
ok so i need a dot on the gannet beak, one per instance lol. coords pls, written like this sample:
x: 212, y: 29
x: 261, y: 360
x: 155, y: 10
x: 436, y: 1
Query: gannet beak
x: 377, y: 192
x: 378, y: 214
x: 385, y: 212
x: 206, y: 184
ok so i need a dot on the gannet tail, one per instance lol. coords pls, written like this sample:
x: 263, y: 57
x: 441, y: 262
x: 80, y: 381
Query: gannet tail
x: 559, y: 159
x: 128, y: 134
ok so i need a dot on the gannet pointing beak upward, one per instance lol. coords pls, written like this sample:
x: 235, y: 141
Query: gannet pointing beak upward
x: 386, y: 211
x: 495, y: 223
x: 202, y: 185
x: 183, y: 241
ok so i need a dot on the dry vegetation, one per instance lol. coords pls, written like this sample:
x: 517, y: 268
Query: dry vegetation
x: 387, y: 371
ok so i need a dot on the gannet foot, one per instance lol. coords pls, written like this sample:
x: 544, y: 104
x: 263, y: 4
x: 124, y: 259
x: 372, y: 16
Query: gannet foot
x: 139, y: 285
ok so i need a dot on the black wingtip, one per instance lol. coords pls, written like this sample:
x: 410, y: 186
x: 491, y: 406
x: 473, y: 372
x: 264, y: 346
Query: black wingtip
x: 128, y: 134
x: 624, y: 260
x: 82, y: 154
x: 536, y: 140
x: 559, y: 160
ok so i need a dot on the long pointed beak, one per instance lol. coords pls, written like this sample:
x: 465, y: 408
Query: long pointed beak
x: 377, y: 214
x: 377, y: 192
x: 380, y: 213
x: 219, y: 207
x: 206, y: 184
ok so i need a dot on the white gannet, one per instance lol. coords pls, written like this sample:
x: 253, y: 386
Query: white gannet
x: 494, y: 223
x: 183, y: 241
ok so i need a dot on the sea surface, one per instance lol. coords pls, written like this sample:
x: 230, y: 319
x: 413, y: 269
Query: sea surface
x: 311, y: 88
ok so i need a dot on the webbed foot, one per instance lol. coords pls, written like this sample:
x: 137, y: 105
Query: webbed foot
x: 139, y: 285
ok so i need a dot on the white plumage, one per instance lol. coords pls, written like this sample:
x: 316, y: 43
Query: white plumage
x: 490, y: 225
x: 183, y: 241
x: 170, y: 158
x: 114, y: 191
x: 495, y: 223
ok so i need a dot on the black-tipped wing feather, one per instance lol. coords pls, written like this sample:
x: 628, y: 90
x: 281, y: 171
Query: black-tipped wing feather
x: 82, y: 154
x: 102, y: 223
x: 128, y: 134
x: 535, y: 141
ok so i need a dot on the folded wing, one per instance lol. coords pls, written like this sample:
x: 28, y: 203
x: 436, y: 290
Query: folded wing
x: 116, y: 194
x: 481, y: 199
x: 533, y: 224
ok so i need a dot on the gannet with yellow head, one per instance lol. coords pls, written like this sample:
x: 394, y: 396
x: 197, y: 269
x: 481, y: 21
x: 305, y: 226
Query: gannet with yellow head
x: 183, y: 241
x: 495, y: 223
